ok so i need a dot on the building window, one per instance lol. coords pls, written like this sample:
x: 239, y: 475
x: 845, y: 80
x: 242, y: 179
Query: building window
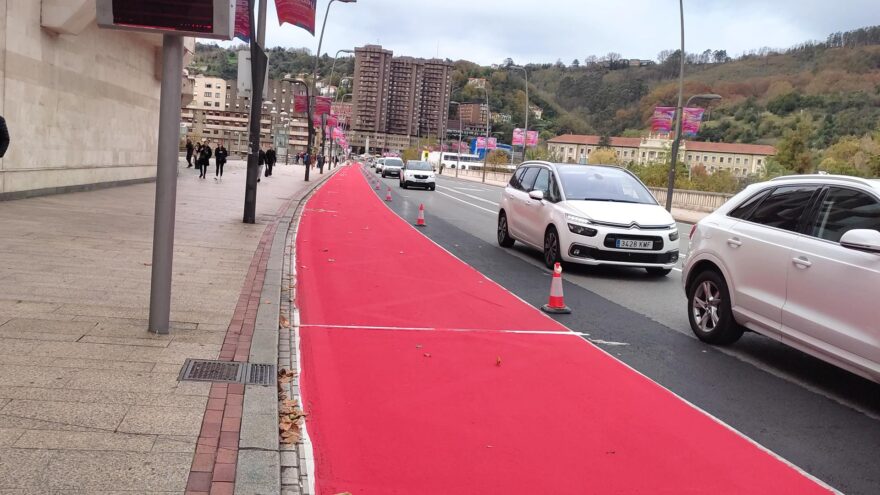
x: 208, y: 94
x: 643, y: 154
x: 713, y: 159
x: 208, y: 85
x: 759, y: 162
x: 216, y: 95
x: 689, y: 157
x: 737, y: 161
x: 207, y: 103
x: 705, y: 158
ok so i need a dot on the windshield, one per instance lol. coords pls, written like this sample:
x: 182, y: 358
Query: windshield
x: 418, y: 166
x: 603, y: 184
x: 393, y: 162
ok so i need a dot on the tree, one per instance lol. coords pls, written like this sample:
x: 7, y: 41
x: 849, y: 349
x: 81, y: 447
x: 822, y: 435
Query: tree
x: 575, y: 63
x: 498, y: 157
x: 721, y: 56
x: 605, y: 140
x: 604, y: 156
x: 793, y: 151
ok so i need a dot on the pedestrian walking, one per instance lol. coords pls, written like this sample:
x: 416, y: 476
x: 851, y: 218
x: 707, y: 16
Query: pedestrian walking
x: 220, y: 155
x: 321, y: 163
x: 204, y: 160
x: 189, y: 153
x: 261, y: 162
x: 336, y: 160
x: 307, y: 159
x: 297, y: 158
x: 4, y: 137
x: 271, y: 158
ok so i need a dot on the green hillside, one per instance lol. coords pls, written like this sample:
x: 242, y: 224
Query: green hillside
x: 819, y: 102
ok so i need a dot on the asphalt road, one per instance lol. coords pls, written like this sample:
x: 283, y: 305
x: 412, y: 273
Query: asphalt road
x: 822, y: 419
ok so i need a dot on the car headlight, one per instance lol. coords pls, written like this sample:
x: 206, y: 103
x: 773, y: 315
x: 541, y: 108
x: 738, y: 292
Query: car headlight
x: 673, y: 236
x: 582, y: 230
x: 576, y: 219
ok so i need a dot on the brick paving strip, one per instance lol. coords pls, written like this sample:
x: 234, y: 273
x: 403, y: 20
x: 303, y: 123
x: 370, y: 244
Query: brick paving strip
x: 238, y: 447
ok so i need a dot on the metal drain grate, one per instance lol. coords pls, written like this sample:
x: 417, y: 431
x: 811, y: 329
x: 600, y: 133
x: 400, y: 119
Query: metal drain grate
x: 201, y: 370
x: 261, y: 374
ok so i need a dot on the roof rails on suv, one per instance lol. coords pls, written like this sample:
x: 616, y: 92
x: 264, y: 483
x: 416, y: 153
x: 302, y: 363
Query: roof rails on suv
x: 826, y: 177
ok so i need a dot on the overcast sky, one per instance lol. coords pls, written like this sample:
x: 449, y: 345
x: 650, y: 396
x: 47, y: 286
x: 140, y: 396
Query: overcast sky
x: 488, y: 31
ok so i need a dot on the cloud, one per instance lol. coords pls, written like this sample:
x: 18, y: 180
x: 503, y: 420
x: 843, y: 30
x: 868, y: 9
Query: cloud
x: 489, y: 31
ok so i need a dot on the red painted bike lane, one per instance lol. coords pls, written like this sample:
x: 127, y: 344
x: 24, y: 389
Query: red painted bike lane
x: 422, y: 376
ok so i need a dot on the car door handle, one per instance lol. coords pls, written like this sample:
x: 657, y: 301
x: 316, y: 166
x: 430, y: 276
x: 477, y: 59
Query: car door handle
x: 734, y: 242
x: 801, y: 262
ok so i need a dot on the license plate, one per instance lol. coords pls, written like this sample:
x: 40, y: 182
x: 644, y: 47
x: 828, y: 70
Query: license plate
x: 630, y: 244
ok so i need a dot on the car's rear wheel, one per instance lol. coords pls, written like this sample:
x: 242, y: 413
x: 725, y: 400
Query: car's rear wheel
x: 709, y: 310
x: 432, y: 187
x: 504, y: 239
x: 551, y: 248
x: 658, y: 272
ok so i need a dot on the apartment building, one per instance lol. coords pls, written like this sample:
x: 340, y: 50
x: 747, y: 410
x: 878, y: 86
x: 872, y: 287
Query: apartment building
x: 398, y: 96
x: 225, y: 118
x: 739, y: 159
x: 473, y: 113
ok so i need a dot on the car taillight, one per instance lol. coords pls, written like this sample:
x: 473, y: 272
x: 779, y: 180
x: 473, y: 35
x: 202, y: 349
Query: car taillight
x: 693, y: 230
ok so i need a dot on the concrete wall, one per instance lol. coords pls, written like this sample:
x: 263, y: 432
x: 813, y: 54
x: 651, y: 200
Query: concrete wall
x: 81, y: 109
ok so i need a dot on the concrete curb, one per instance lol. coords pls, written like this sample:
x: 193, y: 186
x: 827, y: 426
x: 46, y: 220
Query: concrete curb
x: 259, y: 457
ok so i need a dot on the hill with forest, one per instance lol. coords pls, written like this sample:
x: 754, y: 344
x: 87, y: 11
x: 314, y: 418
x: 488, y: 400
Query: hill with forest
x: 818, y: 102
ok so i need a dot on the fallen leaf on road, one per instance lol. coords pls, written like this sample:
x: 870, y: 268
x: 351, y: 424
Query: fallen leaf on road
x: 284, y: 322
x: 418, y: 346
x: 427, y: 355
x: 498, y: 361
x: 331, y: 260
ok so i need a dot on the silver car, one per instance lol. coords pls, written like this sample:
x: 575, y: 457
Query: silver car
x: 796, y: 259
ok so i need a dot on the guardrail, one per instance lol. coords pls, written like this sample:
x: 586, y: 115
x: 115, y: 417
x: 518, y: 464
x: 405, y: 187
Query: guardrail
x: 685, y: 199
x: 692, y: 200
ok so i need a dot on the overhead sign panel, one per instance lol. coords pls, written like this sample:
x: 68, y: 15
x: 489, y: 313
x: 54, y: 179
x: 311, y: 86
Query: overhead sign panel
x: 201, y: 18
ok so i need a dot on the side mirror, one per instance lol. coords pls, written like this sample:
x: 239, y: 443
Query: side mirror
x: 862, y: 240
x: 536, y: 195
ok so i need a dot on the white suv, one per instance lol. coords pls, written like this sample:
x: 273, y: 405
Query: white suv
x: 796, y: 259
x: 588, y: 214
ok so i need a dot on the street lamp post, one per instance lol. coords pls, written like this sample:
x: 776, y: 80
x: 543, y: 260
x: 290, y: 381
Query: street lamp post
x: 457, y: 151
x: 308, y: 116
x: 526, y: 130
x: 676, y: 143
x: 317, y: 61
x: 486, y: 149
x: 333, y: 67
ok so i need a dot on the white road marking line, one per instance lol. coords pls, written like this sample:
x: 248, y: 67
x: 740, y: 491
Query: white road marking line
x: 607, y: 342
x: 467, y: 203
x: 450, y: 330
x: 470, y: 196
x: 470, y: 189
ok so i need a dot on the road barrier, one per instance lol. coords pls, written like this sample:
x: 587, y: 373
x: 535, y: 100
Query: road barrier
x: 692, y: 200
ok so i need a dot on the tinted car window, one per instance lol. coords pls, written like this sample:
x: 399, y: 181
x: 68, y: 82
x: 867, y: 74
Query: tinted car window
x: 784, y: 207
x: 516, y: 179
x: 542, y: 182
x: 744, y: 209
x: 394, y: 162
x: 529, y: 177
x: 843, y: 210
x: 414, y: 165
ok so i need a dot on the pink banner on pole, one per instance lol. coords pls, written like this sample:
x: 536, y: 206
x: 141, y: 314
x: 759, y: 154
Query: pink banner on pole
x: 662, y: 119
x: 300, y: 104
x: 493, y: 143
x: 323, y: 104
x: 337, y: 133
x: 481, y: 143
x: 300, y: 13
x: 518, y: 137
x: 690, y: 124
x: 532, y: 138
x: 242, y: 20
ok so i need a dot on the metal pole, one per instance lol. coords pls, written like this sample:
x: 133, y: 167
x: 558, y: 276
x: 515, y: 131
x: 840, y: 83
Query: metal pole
x: 678, y: 116
x: 166, y: 185
x: 526, y: 133
x: 258, y: 67
x: 486, y: 150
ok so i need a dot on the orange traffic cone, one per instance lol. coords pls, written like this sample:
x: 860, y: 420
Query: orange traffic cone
x: 420, y: 222
x: 388, y: 196
x: 377, y: 186
x: 556, y: 305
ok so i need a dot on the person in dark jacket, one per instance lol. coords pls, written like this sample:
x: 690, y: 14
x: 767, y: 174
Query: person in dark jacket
x: 321, y: 163
x: 204, y: 160
x: 261, y: 162
x: 271, y: 158
x: 189, y: 153
x: 4, y: 137
x: 220, y: 155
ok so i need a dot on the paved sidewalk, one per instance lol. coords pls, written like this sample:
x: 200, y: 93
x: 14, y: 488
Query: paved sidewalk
x: 89, y: 400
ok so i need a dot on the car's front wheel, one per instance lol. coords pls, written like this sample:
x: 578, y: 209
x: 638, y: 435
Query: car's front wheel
x: 504, y: 239
x: 551, y: 247
x: 709, y: 310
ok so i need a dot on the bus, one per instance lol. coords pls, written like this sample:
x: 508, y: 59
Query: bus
x: 453, y: 160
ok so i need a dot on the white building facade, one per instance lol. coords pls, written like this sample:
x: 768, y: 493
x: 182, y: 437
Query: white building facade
x: 81, y: 103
